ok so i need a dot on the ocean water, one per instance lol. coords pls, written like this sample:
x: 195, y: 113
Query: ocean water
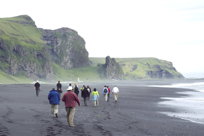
x: 190, y: 107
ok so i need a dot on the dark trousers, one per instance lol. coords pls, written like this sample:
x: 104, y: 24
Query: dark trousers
x: 85, y: 100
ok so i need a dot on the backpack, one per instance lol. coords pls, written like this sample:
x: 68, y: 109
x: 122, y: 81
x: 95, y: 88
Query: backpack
x: 105, y: 90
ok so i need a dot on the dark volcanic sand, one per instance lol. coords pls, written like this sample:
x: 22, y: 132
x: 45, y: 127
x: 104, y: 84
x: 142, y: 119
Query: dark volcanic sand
x: 136, y: 114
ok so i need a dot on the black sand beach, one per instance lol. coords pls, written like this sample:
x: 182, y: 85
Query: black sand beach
x: 135, y: 114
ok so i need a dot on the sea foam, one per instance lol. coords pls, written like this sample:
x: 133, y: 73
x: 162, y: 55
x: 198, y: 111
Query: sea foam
x: 188, y: 107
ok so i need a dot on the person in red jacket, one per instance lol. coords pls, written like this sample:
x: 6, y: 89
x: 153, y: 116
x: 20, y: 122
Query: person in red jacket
x: 70, y: 99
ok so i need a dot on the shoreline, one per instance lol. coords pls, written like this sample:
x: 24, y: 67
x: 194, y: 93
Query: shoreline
x: 189, y: 107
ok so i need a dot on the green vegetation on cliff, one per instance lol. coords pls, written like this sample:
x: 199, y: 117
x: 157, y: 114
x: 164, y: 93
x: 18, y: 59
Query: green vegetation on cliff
x: 9, y: 79
x: 20, y: 30
x: 140, y: 68
x: 88, y: 73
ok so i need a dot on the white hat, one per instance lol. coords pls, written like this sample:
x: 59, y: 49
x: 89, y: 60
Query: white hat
x: 69, y: 88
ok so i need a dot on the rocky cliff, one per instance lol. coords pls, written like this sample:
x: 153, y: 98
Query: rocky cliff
x: 30, y: 51
x: 18, y: 60
x: 159, y: 72
x: 66, y: 47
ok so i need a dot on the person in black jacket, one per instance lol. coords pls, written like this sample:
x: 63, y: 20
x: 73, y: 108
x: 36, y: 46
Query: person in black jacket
x: 59, y: 87
x: 37, y: 88
x: 76, y: 89
x: 84, y: 94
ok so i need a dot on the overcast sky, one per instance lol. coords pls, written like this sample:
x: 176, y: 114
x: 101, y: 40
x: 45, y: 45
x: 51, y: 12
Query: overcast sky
x: 171, y: 30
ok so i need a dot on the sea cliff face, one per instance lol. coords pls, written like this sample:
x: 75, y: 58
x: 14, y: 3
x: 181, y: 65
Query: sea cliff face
x: 66, y: 47
x: 30, y: 51
x: 19, y: 60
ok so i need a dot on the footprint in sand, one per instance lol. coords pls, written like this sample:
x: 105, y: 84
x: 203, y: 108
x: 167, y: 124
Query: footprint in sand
x: 7, y: 115
x: 79, y: 131
x: 103, y: 131
x: 3, y: 130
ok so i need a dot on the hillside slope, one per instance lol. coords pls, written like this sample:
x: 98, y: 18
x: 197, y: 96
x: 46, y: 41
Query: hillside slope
x: 143, y: 68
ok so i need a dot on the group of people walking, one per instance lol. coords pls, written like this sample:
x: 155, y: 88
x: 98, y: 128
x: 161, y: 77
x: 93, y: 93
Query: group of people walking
x: 71, y: 98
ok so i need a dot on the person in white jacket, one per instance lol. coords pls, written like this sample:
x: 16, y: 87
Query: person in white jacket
x: 115, y: 92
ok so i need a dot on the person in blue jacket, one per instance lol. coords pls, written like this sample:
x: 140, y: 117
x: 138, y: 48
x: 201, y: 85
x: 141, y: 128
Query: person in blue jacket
x: 54, y: 99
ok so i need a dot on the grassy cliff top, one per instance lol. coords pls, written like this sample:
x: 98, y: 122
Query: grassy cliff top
x: 132, y: 61
x: 138, y: 67
x: 20, y: 30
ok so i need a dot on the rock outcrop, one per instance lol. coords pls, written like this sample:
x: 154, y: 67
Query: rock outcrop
x: 111, y: 69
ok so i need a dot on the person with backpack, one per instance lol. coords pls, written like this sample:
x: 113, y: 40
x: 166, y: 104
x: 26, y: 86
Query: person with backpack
x: 84, y: 94
x: 54, y: 100
x: 89, y: 91
x: 37, y: 88
x: 105, y: 93
x: 95, y: 97
x: 115, y: 92
x: 109, y: 91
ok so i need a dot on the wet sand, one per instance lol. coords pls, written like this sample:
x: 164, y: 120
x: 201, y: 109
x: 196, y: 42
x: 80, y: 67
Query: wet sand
x: 135, y: 114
